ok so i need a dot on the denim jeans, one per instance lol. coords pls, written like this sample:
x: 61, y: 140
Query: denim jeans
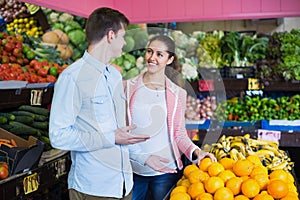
x: 153, y: 187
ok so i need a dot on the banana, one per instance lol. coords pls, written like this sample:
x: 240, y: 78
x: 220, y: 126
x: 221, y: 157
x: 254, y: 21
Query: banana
x: 236, y: 144
x: 264, y: 152
x: 278, y: 165
x: 240, y: 156
x: 233, y: 154
x: 272, y: 149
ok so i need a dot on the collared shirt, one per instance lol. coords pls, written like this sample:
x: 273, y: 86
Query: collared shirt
x: 88, y: 106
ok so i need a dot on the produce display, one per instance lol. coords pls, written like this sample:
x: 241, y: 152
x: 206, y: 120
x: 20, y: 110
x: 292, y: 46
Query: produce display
x: 27, y: 120
x: 13, y: 9
x: 234, y: 178
x: 258, y: 108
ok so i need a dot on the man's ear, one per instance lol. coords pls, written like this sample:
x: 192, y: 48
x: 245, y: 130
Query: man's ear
x: 110, y: 35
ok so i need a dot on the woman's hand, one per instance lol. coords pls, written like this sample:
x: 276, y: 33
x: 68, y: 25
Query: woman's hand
x: 202, y: 154
x: 156, y: 163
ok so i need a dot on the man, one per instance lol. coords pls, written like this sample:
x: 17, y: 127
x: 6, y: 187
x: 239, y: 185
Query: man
x: 88, y: 114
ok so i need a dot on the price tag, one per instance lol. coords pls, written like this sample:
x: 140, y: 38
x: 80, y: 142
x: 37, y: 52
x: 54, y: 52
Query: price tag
x: 269, y: 135
x: 253, y: 84
x: 36, y: 97
x: 30, y: 183
x: 206, y: 85
x: 60, y: 167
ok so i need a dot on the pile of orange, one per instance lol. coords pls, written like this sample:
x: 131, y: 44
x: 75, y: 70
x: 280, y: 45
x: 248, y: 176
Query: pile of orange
x: 234, y: 180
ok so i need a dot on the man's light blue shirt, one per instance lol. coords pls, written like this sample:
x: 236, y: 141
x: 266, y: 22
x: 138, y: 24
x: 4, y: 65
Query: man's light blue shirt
x: 88, y: 106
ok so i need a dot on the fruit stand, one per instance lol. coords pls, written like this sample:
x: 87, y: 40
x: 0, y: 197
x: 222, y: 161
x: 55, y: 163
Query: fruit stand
x: 243, y: 103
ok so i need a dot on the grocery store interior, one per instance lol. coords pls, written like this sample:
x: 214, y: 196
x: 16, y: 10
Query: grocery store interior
x: 240, y: 66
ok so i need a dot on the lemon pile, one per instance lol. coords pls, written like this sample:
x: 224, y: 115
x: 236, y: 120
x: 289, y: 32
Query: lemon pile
x: 29, y: 26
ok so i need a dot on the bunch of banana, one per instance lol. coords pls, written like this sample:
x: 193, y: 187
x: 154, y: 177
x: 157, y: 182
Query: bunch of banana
x: 239, y: 147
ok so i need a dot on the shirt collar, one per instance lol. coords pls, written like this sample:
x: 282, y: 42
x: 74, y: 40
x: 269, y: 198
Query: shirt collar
x: 100, y: 66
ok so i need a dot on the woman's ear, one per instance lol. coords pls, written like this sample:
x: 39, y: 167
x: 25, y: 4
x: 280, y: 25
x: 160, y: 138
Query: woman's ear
x: 171, y: 59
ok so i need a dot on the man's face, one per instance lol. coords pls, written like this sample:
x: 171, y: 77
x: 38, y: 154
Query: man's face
x: 118, y: 42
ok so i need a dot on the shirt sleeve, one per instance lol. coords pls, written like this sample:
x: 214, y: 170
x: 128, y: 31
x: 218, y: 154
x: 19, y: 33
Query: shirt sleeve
x: 66, y: 104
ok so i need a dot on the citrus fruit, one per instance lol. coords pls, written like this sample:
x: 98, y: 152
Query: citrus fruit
x: 227, y: 162
x: 250, y: 188
x: 178, y: 189
x: 255, y: 160
x: 279, y: 174
x: 234, y: 184
x: 180, y: 196
x: 204, y: 164
x: 213, y: 183
x: 188, y: 169
x: 205, y: 196
x: 196, y: 189
x: 277, y: 188
x: 259, y: 170
x: 215, y: 168
x: 197, y: 176
x: 223, y: 193
x: 242, y: 167
x: 262, y: 180
x: 226, y: 175
x: 263, y: 197
x: 241, y: 197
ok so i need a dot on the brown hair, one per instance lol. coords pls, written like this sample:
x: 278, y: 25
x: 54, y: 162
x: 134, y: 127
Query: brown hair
x: 103, y: 20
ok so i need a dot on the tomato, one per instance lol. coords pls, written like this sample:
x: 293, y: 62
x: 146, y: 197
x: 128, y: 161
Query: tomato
x: 51, y: 79
x: 17, y: 52
x: 4, y: 164
x: 37, y: 66
x: 3, y: 172
x: 43, y: 72
x: 9, y: 47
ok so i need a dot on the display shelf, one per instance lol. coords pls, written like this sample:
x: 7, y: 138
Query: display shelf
x: 51, y: 179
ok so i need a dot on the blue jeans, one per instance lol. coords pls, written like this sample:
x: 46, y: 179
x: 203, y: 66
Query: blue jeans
x: 153, y: 187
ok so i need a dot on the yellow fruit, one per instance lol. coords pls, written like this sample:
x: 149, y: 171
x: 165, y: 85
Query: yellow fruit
x: 186, y: 183
x: 196, y: 189
x: 215, y: 168
x: 250, y: 188
x: 223, y: 193
x: 279, y: 174
x: 180, y: 196
x: 213, y: 183
x: 263, y: 197
x: 204, y: 164
x: 188, y: 169
x: 242, y: 167
x: 262, y: 181
x: 241, y: 197
x: 259, y: 170
x: 197, y: 176
x: 205, y: 196
x: 235, y: 184
x: 226, y: 175
x: 278, y: 188
x: 227, y: 162
x: 255, y: 160
x: 178, y: 189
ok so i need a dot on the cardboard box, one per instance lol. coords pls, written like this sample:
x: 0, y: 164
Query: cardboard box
x: 25, y: 156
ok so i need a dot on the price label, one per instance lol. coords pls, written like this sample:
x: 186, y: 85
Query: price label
x: 60, y: 167
x: 31, y: 183
x: 36, y: 97
x: 269, y: 135
x: 253, y: 84
x: 206, y: 85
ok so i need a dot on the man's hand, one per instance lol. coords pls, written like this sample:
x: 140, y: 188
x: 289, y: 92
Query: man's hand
x: 122, y: 136
x: 155, y: 162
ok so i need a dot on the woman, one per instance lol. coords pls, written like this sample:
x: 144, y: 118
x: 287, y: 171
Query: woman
x: 157, y: 107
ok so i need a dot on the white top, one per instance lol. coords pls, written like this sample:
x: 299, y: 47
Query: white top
x: 149, y: 114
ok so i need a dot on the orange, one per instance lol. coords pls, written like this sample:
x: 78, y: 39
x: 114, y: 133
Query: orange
x: 250, y: 188
x: 197, y: 176
x: 178, y: 189
x: 186, y: 183
x: 213, y: 183
x: 241, y: 197
x: 255, y: 160
x: 226, y: 175
x: 215, y: 168
x: 180, y: 196
x: 277, y: 188
x: 205, y: 196
x: 290, y: 177
x: 279, y: 174
x: 259, y: 170
x: 204, y: 164
x: 292, y: 187
x: 242, y: 167
x: 262, y: 180
x: 188, y: 169
x: 234, y: 184
x: 291, y: 196
x: 227, y: 162
x: 196, y: 189
x: 223, y: 193
x: 179, y: 181
x: 263, y: 197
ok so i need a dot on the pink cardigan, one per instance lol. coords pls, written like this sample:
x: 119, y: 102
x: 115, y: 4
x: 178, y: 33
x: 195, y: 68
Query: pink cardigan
x: 176, y: 105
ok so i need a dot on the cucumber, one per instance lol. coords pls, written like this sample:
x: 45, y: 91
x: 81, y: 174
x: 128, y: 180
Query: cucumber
x: 23, y: 129
x: 40, y: 118
x: 24, y: 119
x: 5, y: 126
x: 23, y: 113
x: 9, y: 116
x: 3, y: 120
x: 35, y: 110
x: 40, y: 125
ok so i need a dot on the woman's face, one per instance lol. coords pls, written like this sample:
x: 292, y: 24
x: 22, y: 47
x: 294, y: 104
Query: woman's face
x: 157, y: 57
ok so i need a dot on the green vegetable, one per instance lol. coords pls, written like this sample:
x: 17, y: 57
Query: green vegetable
x: 9, y: 116
x: 129, y: 44
x: 3, y: 120
x: 71, y: 25
x: 53, y: 71
x: 20, y: 128
x: 24, y: 119
x: 59, y: 26
x: 41, y: 125
x: 77, y: 36
x: 35, y: 110
x: 140, y: 39
x: 40, y: 118
x: 23, y: 113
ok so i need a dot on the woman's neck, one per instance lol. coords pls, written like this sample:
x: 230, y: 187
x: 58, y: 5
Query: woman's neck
x: 154, y: 81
